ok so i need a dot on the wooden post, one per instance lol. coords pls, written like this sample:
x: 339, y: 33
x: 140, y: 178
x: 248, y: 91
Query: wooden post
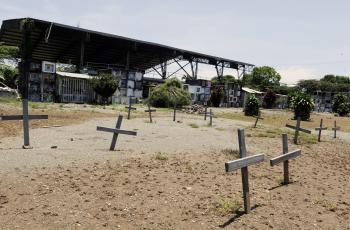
x: 115, y: 135
x: 174, y: 116
x: 285, y: 163
x: 244, y: 171
x: 257, y: 119
x: 129, y: 108
x: 297, y: 131
x: 211, y: 118
x: 320, y: 130
x: 335, y: 129
x: 205, y: 112
x: 150, y: 114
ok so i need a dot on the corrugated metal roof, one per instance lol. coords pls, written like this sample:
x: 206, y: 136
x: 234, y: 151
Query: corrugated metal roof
x: 249, y: 90
x: 74, y: 75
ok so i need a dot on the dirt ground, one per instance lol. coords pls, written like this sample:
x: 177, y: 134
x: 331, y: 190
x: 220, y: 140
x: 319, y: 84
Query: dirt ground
x: 170, y: 176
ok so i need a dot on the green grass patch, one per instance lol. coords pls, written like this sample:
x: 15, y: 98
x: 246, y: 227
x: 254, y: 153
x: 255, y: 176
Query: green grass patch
x: 193, y: 125
x: 161, y: 156
x: 227, y: 206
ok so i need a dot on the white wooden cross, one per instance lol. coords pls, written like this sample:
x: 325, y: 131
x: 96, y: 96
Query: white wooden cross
x: 297, y: 128
x: 243, y: 164
x: 129, y: 108
x: 25, y: 119
x: 335, y: 129
x: 258, y: 118
x: 116, y: 132
x: 284, y: 158
x: 320, y: 130
x: 149, y: 111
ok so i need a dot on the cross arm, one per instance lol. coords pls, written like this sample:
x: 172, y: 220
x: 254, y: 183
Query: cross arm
x: 20, y: 117
x: 300, y: 129
x: 284, y: 157
x: 323, y: 128
x: 119, y: 131
x: 151, y: 110
x: 243, y: 162
x: 132, y: 108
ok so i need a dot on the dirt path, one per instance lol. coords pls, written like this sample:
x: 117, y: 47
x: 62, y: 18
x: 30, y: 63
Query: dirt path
x: 83, y: 185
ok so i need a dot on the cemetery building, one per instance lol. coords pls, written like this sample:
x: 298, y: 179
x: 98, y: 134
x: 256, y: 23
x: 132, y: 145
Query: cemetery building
x: 324, y: 100
x: 92, y: 51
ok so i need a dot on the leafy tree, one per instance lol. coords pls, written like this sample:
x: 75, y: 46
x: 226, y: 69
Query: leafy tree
x: 8, y: 76
x: 216, y: 95
x: 104, y: 85
x: 341, y: 104
x: 302, y: 105
x: 264, y: 77
x: 270, y: 99
x: 252, y: 106
x: 10, y: 53
x: 224, y: 79
x: 169, y: 93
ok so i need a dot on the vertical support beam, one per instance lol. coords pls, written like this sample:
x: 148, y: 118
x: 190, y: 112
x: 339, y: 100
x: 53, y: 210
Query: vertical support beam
x: 244, y: 171
x: 205, y: 112
x: 285, y: 163
x: 82, y: 54
x: 115, y: 135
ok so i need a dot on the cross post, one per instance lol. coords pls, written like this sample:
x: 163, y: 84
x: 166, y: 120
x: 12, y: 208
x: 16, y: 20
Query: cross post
x: 205, y: 111
x: 335, y: 129
x: 284, y: 158
x: 149, y: 111
x: 320, y: 130
x: 129, y: 108
x: 243, y: 164
x: 25, y: 117
x: 297, y: 128
x: 116, y: 132
x: 258, y: 118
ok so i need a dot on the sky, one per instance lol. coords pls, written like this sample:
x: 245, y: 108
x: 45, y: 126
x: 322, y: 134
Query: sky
x: 300, y: 39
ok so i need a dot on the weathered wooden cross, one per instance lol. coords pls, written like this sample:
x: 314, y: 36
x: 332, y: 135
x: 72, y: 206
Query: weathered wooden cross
x: 284, y: 158
x: 149, y: 111
x: 116, y: 132
x: 258, y: 118
x: 25, y: 117
x: 243, y: 164
x: 205, y: 110
x: 297, y: 128
x: 335, y: 129
x: 130, y: 108
x: 210, y: 115
x: 320, y: 130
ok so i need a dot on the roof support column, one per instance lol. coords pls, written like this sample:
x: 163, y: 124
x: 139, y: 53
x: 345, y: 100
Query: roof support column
x: 194, y: 68
x: 82, y: 54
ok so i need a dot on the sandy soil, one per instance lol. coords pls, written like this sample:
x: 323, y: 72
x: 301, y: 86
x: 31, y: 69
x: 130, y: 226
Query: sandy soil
x: 82, y: 185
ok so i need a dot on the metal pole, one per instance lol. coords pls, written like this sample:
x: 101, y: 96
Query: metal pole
x: 285, y: 163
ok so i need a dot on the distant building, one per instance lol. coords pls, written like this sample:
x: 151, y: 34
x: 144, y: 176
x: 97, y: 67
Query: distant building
x: 324, y: 100
x: 199, y: 90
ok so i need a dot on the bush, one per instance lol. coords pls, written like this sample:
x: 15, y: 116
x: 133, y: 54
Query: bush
x: 217, y: 94
x: 302, y: 104
x: 270, y: 99
x: 343, y: 109
x: 340, y: 102
x: 168, y: 93
x: 104, y: 85
x: 252, y: 106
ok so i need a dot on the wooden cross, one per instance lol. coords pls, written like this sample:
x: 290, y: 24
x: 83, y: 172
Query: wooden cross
x: 335, y: 129
x: 116, y: 132
x: 284, y: 158
x: 258, y: 118
x: 130, y: 108
x: 320, y: 130
x: 25, y: 117
x: 174, y: 113
x: 205, y: 110
x: 297, y: 129
x: 243, y: 164
x: 149, y: 111
x: 210, y: 115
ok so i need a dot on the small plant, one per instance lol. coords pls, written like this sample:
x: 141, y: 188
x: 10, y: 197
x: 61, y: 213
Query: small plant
x: 252, y: 106
x: 104, y: 85
x: 193, y: 125
x: 227, y: 206
x: 161, y: 156
x: 302, y: 105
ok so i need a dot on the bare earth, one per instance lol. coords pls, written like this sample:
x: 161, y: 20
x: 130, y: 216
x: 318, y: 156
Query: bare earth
x: 82, y: 185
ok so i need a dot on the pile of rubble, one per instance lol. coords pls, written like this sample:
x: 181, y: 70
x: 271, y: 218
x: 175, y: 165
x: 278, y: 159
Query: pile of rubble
x: 193, y: 109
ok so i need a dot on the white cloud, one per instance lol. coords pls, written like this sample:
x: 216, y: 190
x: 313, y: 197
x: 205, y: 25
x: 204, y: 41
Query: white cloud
x: 293, y: 74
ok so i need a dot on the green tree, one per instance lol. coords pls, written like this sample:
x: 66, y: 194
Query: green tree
x: 341, y: 104
x: 8, y: 76
x: 105, y: 85
x: 222, y: 80
x: 265, y: 76
x: 169, y: 93
x: 270, y: 99
x: 216, y: 95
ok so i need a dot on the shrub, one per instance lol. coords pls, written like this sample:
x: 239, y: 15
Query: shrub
x: 302, y: 104
x: 270, y: 99
x: 104, y: 85
x: 168, y: 93
x: 341, y: 104
x: 252, y: 106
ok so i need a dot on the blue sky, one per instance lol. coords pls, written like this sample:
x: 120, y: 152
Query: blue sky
x: 301, y: 39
